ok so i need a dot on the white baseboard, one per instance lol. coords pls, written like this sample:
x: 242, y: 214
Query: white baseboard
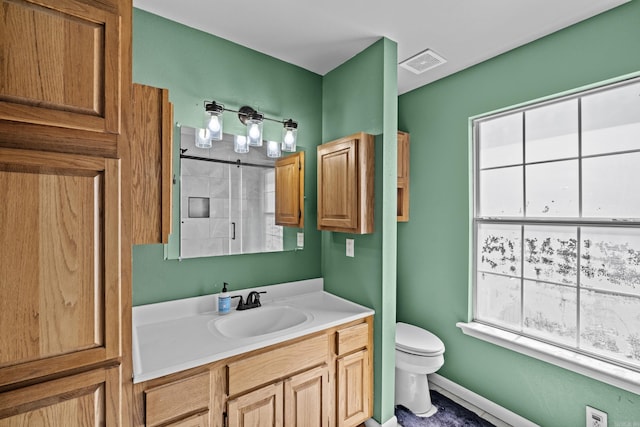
x: 485, y: 404
x: 392, y: 422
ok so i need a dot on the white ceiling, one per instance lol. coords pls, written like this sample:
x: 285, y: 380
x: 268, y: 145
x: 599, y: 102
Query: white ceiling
x: 321, y: 35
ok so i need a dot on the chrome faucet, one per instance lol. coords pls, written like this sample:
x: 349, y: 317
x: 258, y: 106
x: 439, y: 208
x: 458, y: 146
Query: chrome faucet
x: 253, y: 300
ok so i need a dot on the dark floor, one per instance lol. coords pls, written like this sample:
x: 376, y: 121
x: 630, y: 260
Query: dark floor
x: 449, y: 414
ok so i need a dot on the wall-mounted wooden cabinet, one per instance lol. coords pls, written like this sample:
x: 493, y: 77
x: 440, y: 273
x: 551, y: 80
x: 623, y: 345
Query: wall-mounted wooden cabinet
x: 151, y: 160
x: 346, y: 184
x: 290, y: 190
x: 403, y: 177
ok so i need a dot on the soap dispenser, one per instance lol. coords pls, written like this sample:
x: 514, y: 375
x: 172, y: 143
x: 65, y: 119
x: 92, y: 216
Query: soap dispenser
x: 224, y: 300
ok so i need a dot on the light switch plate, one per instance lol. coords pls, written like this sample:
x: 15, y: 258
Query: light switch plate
x: 350, y: 249
x: 300, y: 240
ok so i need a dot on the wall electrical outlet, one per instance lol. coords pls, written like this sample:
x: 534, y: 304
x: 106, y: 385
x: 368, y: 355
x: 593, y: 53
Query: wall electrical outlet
x: 350, y: 248
x: 596, y: 418
x: 300, y: 243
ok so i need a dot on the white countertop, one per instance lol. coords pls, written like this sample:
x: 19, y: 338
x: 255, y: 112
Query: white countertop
x: 173, y: 336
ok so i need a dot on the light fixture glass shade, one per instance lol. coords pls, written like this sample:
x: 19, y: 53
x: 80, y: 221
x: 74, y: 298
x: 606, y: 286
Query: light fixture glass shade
x: 254, y: 130
x: 203, y: 138
x: 273, y: 149
x: 240, y: 144
x: 214, y: 119
x: 289, y: 136
x: 215, y: 126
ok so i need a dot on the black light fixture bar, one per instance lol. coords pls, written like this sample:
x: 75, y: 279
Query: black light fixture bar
x: 244, y: 113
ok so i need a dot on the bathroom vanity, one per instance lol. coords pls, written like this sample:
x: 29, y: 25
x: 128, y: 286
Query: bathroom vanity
x: 304, y: 358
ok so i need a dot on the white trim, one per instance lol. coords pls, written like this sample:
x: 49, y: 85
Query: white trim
x: 485, y: 404
x: 392, y: 422
x: 608, y: 373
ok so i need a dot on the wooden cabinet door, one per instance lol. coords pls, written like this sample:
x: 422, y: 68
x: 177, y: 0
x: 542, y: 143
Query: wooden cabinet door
x: 354, y: 392
x: 338, y: 184
x: 290, y: 190
x: 306, y: 399
x: 151, y: 164
x: 61, y: 64
x: 88, y: 399
x: 346, y: 184
x: 260, y: 408
x: 60, y: 264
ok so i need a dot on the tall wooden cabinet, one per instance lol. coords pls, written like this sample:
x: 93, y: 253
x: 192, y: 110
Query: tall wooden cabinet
x: 65, y: 273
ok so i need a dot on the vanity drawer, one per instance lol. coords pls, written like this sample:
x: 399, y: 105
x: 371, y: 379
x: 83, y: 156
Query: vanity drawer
x: 352, y: 338
x: 279, y: 363
x: 178, y: 400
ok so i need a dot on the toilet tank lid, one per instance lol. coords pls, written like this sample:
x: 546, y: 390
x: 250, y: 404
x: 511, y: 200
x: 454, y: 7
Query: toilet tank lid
x: 413, y: 339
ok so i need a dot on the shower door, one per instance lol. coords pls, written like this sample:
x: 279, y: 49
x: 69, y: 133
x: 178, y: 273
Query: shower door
x: 227, y: 209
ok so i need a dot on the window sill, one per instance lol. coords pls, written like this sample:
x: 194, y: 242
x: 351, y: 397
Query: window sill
x: 608, y: 373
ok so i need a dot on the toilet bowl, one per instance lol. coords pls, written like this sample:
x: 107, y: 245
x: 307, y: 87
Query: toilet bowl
x: 418, y: 353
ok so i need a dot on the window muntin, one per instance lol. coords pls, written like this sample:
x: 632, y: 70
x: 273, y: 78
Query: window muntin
x: 557, y: 222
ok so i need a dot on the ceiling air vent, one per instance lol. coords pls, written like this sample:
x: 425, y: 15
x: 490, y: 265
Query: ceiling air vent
x: 423, y: 61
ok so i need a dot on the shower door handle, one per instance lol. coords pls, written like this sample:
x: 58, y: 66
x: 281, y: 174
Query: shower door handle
x: 233, y: 224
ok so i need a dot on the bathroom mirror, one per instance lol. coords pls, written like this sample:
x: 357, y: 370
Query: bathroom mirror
x: 227, y: 200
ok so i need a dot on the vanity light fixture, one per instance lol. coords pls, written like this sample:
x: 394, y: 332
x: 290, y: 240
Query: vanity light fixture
x: 214, y: 120
x: 273, y: 149
x: 289, y: 136
x: 203, y: 138
x: 240, y: 144
x: 253, y: 120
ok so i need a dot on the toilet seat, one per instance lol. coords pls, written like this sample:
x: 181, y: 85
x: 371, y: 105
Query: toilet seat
x: 414, y: 340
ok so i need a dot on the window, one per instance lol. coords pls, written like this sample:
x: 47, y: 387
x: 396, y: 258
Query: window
x: 557, y: 222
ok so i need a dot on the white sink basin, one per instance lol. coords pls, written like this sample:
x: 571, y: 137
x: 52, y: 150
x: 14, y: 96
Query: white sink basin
x: 258, y: 321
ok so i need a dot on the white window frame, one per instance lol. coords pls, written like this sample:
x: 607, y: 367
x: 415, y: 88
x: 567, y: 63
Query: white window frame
x: 610, y: 372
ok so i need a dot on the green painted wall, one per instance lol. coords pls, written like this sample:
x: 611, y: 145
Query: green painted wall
x: 433, y: 270
x: 195, y: 66
x: 361, y: 95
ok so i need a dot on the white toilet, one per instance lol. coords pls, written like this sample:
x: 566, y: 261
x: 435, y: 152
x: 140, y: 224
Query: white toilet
x: 418, y: 353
